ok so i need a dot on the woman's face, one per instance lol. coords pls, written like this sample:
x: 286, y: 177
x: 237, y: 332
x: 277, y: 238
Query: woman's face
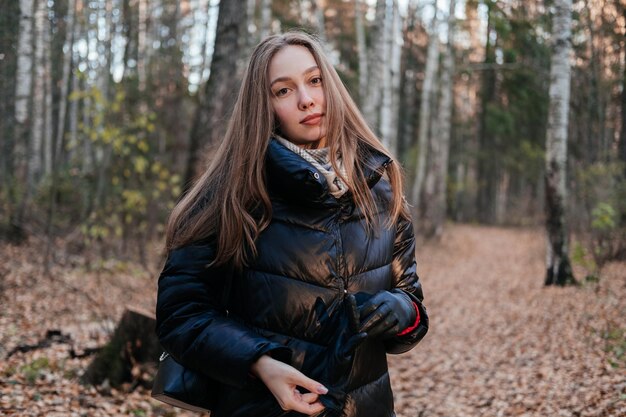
x: 297, y: 96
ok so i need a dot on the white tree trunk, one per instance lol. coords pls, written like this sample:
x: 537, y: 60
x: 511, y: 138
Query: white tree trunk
x: 557, y: 261
x: 266, y: 18
x: 432, y: 62
x: 23, y: 87
x: 142, y: 70
x: 362, y: 50
x: 442, y: 133
x: 375, y: 57
x: 35, y: 165
x: 24, y: 61
x: 74, y: 104
x: 396, y: 65
x: 47, y: 129
x: 386, y: 85
x: 105, y: 26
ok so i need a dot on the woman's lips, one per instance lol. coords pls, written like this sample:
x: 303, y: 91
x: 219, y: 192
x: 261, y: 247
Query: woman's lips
x: 312, y: 119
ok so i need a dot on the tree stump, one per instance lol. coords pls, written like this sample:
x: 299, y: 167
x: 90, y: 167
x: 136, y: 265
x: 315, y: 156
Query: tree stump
x: 133, y: 345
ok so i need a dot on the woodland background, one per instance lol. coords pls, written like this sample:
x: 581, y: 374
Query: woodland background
x: 109, y: 108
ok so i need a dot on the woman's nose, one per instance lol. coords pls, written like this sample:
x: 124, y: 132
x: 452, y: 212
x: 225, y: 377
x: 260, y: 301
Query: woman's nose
x: 306, y: 101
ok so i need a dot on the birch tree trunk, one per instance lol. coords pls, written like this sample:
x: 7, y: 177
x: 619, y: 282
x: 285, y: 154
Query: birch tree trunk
x: 375, y: 57
x: 266, y: 17
x: 430, y: 72
x: 24, y: 78
x: 218, y: 99
x: 142, y: 30
x: 396, y: 76
x: 361, y: 49
x: 386, y: 86
x: 558, y: 269
x: 435, y: 203
x: 35, y: 152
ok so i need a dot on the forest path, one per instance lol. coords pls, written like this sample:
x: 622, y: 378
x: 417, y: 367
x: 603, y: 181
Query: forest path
x: 501, y: 344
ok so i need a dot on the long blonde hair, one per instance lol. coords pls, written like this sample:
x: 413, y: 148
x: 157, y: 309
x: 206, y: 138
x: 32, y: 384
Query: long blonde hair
x: 230, y: 201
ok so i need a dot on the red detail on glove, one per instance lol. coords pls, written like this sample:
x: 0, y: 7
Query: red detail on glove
x: 417, y: 321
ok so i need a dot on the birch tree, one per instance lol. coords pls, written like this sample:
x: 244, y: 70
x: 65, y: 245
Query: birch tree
x: 361, y: 50
x: 385, y: 108
x: 35, y: 151
x: 24, y: 78
x: 375, y: 70
x: 266, y: 17
x: 430, y: 72
x: 435, y: 203
x: 558, y: 267
x: 390, y: 86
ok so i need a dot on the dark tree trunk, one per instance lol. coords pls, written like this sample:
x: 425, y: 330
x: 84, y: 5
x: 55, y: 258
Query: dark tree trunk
x: 487, y: 165
x: 9, y: 32
x: 133, y: 344
x: 221, y: 89
x: 622, y: 140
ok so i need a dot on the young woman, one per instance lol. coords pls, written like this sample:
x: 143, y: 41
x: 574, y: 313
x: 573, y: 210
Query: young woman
x: 291, y: 269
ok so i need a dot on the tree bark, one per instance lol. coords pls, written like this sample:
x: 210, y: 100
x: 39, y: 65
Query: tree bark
x: 387, y: 70
x: 23, y: 86
x: 9, y: 36
x: 396, y: 68
x: 133, y: 343
x: 35, y: 152
x: 375, y: 57
x: 488, y: 169
x: 65, y: 82
x: 432, y: 63
x: 622, y: 142
x: 266, y: 18
x: 435, y: 204
x: 558, y: 269
x: 320, y: 20
x: 220, y: 91
x: 362, y: 50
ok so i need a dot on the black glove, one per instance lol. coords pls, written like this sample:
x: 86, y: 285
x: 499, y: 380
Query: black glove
x: 386, y: 314
x: 343, y: 324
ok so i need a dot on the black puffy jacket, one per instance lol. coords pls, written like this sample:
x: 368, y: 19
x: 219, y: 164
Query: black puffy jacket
x: 315, y: 248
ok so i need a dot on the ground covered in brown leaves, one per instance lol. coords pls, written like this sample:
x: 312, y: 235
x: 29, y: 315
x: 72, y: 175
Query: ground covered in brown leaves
x: 500, y: 343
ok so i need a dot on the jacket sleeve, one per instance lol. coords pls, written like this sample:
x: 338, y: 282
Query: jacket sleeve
x: 193, y: 326
x: 405, y: 279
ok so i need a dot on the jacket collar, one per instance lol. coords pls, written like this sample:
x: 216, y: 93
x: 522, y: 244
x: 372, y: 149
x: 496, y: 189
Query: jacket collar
x: 293, y: 178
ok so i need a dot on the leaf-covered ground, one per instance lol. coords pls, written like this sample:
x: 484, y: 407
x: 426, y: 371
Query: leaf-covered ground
x: 500, y: 343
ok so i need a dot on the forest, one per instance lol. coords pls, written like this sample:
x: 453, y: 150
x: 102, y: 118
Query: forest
x: 508, y: 118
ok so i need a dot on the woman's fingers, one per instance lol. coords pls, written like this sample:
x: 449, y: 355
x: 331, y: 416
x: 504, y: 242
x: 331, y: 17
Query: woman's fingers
x: 309, y: 397
x: 375, y: 317
x: 303, y: 403
x: 311, y: 385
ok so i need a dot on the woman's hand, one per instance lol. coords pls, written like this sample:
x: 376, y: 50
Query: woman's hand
x: 386, y: 314
x: 283, y: 382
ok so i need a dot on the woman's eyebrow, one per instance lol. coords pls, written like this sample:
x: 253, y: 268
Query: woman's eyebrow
x: 306, y: 71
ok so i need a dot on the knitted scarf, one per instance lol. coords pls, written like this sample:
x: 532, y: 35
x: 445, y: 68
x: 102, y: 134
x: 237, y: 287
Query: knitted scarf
x: 320, y: 159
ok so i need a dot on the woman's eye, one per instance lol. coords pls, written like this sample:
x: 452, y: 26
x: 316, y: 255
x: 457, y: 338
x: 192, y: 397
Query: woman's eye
x: 281, y: 92
x: 316, y: 80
